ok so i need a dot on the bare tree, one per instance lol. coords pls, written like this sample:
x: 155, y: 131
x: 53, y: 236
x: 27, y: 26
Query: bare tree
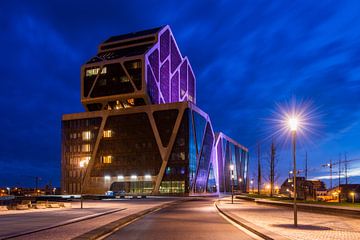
x: 259, y: 170
x: 272, y: 161
x: 346, y: 166
x: 272, y: 168
x: 306, y: 166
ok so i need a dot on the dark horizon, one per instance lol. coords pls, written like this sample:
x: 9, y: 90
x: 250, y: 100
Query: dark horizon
x: 246, y: 58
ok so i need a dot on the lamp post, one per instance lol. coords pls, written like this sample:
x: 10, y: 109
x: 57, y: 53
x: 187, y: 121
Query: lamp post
x: 81, y: 189
x: 293, y: 125
x: 240, y: 183
x: 232, y: 182
x: 252, y: 185
x: 81, y: 166
x: 353, y: 197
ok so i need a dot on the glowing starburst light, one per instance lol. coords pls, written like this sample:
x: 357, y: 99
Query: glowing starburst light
x: 294, y: 116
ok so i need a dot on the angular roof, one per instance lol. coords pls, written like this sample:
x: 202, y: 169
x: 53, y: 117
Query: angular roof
x: 127, y: 45
x: 133, y: 35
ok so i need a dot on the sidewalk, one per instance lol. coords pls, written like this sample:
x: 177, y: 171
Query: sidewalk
x: 279, y: 220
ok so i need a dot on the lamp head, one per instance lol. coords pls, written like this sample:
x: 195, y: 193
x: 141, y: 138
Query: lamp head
x: 293, y: 123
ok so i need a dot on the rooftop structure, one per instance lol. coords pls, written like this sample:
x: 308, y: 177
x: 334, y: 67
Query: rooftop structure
x: 136, y: 69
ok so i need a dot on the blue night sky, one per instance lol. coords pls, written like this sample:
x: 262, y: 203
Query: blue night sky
x: 247, y: 57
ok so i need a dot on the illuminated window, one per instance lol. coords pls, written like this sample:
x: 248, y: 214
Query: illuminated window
x: 85, y: 148
x: 106, y: 159
x: 95, y: 71
x: 118, y: 105
x: 86, y: 135
x: 107, y: 134
x: 84, y: 161
x: 135, y: 65
x: 131, y: 101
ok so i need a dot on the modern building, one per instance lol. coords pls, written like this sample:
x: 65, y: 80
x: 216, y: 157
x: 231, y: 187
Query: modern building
x: 232, y: 160
x: 142, y: 131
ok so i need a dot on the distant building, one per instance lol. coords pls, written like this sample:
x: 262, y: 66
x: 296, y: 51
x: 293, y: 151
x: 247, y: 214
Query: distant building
x: 142, y: 131
x: 306, y: 189
x: 346, y: 192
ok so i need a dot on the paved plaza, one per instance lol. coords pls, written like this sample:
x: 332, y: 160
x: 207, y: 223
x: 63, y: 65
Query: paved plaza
x: 279, y: 220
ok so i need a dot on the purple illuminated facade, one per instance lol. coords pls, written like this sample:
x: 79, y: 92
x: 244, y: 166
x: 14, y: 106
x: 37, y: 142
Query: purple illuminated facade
x: 142, y: 132
x: 169, y: 76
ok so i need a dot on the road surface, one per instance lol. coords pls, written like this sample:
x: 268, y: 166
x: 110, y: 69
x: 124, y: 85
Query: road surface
x: 190, y: 220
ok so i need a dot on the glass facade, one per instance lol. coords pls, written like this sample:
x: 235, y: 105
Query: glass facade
x: 229, y: 152
x: 192, y: 151
x: 175, y: 177
x: 74, y: 155
x: 128, y: 158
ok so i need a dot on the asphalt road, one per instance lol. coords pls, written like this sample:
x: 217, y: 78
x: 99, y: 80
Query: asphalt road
x: 196, y: 219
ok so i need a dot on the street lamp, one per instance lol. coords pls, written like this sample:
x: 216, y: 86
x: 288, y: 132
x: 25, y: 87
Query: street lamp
x: 252, y: 185
x: 232, y: 182
x: 82, y: 164
x: 8, y: 189
x: 240, y: 183
x: 293, y: 123
x: 268, y: 187
x: 353, y: 197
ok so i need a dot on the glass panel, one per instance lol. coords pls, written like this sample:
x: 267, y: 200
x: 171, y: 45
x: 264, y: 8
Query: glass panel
x: 113, y: 82
x: 200, y: 124
x: 211, y: 184
x: 177, y: 167
x: 175, y: 187
x: 107, y: 159
x: 86, y: 135
x: 134, y: 69
x: 153, y: 90
x: 90, y: 75
x: 192, y: 152
x: 233, y: 162
x: 165, y: 121
x: 133, y: 148
x: 164, y: 45
x: 204, y: 161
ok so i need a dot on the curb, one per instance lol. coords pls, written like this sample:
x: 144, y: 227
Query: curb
x: 67, y: 222
x: 107, y: 229
x: 261, y: 232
